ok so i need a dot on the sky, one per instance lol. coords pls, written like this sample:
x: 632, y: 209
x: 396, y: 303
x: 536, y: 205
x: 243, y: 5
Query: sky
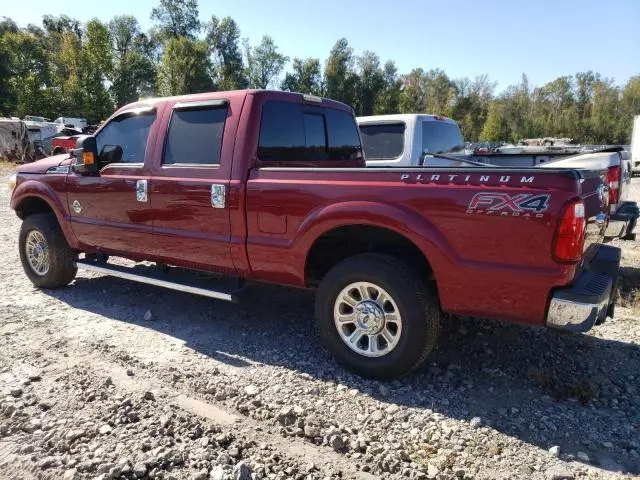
x: 465, y: 38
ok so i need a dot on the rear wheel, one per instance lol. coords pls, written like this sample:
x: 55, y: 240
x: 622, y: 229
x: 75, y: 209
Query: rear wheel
x: 46, y: 257
x: 377, y: 316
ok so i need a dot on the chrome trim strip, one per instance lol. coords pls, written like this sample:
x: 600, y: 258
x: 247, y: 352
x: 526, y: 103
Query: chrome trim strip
x: 152, y: 281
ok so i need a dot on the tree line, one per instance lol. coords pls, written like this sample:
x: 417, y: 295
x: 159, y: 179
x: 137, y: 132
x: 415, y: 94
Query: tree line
x: 65, y: 68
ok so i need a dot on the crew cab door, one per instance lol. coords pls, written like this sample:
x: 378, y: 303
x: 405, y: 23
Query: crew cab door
x: 189, y: 188
x: 109, y: 211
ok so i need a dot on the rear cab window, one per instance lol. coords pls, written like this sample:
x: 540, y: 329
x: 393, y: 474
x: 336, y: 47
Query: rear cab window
x: 195, y: 134
x: 294, y: 132
x: 382, y: 141
x: 441, y: 137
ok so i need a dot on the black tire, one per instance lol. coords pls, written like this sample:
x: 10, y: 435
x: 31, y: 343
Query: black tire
x: 57, y: 151
x: 61, y: 258
x: 418, y: 307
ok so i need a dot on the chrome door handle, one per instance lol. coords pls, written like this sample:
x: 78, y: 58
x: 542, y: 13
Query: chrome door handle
x: 141, y: 190
x: 218, y: 196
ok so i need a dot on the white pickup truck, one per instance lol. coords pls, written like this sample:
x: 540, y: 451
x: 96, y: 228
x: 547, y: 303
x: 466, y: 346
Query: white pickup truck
x: 413, y: 140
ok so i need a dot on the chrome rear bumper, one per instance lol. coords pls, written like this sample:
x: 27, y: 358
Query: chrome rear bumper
x: 622, y: 222
x: 592, y: 296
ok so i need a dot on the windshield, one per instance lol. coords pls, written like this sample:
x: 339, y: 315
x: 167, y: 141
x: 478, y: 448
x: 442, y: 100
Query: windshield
x: 382, y: 141
x: 441, y: 137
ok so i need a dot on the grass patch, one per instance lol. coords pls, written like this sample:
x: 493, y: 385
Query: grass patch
x: 563, y: 388
x: 7, y: 164
x: 630, y: 289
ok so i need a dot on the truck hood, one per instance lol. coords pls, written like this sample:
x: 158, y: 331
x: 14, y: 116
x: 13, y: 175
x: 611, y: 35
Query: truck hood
x: 41, y: 166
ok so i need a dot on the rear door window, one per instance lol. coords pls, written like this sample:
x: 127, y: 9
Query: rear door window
x: 296, y: 132
x: 382, y: 141
x: 281, y: 132
x: 195, y: 136
x: 344, y: 141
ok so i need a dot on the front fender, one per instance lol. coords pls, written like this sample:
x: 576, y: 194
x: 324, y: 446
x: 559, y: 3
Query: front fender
x: 404, y: 221
x: 42, y: 191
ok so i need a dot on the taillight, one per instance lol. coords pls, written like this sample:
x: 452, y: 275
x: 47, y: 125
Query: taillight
x: 613, y: 178
x: 569, y: 238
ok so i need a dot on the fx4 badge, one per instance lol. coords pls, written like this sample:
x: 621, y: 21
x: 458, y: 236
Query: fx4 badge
x: 503, y: 204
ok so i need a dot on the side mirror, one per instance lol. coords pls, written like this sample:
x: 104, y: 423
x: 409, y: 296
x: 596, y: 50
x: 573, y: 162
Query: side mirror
x: 110, y: 154
x: 86, y: 153
x: 624, y: 155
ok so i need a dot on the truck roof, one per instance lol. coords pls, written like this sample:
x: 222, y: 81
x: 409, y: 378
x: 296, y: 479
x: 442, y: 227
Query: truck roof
x: 229, y: 95
x: 404, y: 117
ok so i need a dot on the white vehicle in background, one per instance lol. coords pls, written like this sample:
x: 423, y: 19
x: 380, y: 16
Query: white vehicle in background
x: 78, y: 123
x: 417, y: 140
x: 411, y: 140
x: 635, y: 146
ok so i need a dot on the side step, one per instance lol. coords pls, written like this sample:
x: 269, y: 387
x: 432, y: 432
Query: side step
x: 195, y: 287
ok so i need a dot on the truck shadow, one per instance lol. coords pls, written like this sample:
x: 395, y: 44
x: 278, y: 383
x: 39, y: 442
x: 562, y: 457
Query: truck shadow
x: 579, y: 392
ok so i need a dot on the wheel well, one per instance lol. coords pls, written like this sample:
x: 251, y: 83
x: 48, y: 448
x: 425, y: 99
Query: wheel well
x: 343, y: 242
x: 57, y: 150
x: 32, y: 205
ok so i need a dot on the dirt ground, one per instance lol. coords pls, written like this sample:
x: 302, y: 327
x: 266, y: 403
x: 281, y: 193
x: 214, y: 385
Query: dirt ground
x: 111, y: 379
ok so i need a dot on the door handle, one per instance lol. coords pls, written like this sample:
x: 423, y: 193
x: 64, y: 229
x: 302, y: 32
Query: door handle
x: 218, y: 195
x: 141, y: 190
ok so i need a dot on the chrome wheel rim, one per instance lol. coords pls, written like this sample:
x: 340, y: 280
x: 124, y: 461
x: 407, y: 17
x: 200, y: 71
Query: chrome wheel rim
x: 37, y: 250
x: 367, y: 319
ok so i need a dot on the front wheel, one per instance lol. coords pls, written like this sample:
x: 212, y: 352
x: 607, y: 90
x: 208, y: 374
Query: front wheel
x: 46, y: 257
x: 376, y: 316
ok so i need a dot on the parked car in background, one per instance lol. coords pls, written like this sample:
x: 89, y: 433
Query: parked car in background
x: 63, y: 144
x: 430, y: 140
x: 410, y: 140
x: 635, y: 146
x: 78, y: 123
x: 272, y: 186
x: 614, y: 160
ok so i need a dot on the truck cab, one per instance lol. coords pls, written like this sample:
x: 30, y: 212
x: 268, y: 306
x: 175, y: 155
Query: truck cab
x: 406, y: 140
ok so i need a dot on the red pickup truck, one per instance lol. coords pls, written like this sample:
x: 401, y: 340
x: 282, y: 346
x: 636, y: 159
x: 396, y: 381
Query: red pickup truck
x: 272, y: 187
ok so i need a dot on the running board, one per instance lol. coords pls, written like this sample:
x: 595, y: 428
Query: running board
x: 126, y: 273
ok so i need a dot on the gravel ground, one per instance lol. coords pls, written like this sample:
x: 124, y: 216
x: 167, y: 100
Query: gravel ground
x: 111, y: 379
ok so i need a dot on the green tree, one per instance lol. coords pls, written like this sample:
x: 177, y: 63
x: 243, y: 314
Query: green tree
x: 223, y: 37
x: 340, y: 79
x: 28, y: 73
x: 438, y: 92
x: 388, y: 99
x: 7, y: 96
x: 176, y: 18
x: 305, y: 77
x: 471, y: 104
x: 370, y: 83
x: 630, y: 107
x: 413, y: 98
x: 134, y: 73
x: 264, y: 63
x: 495, y: 128
x: 95, y: 67
x: 184, y: 67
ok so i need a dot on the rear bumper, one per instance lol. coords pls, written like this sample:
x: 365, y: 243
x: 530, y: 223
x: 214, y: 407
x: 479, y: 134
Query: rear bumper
x: 622, y: 223
x: 592, y: 296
